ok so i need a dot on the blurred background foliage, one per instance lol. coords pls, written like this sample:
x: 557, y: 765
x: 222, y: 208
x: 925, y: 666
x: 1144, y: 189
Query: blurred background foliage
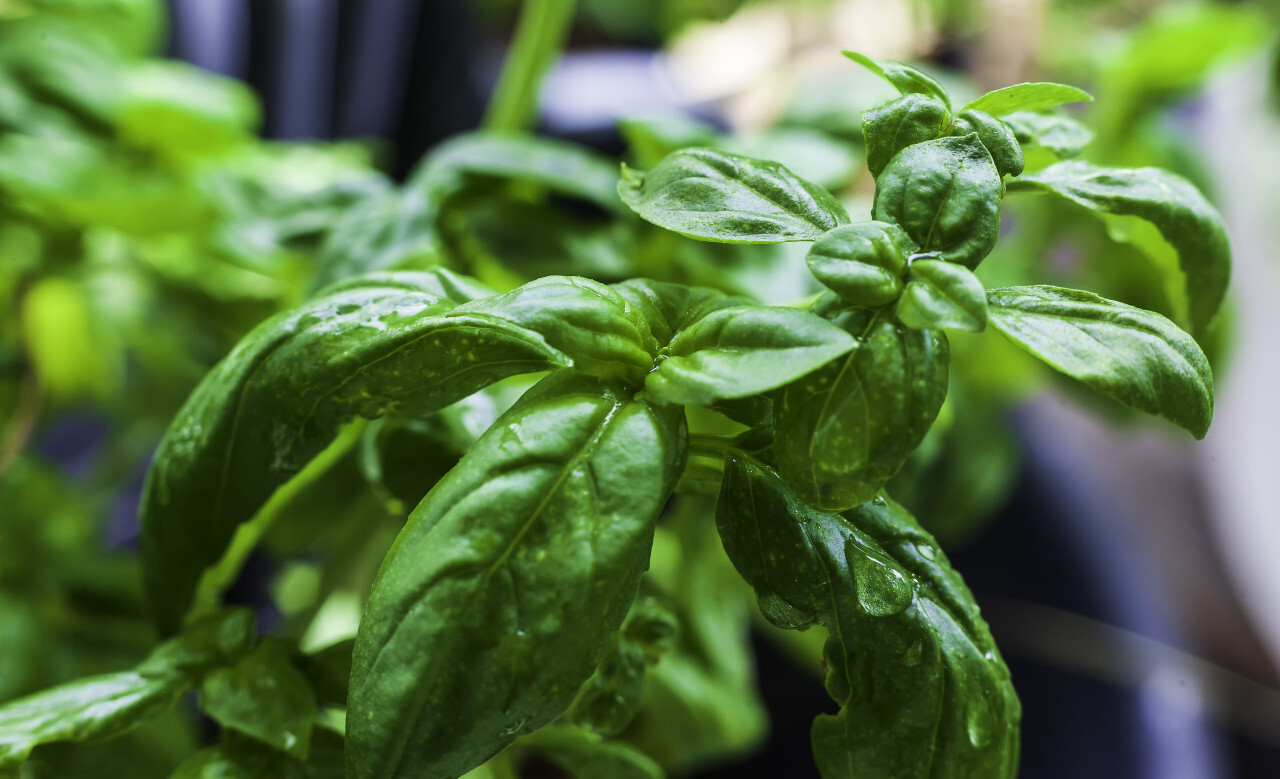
x: 146, y: 225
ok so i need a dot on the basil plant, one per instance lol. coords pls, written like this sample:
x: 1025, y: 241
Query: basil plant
x: 506, y: 610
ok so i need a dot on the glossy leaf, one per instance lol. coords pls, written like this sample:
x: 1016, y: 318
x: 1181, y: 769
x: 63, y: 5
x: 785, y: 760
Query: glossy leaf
x: 904, y: 78
x: 1137, y: 357
x: 282, y: 394
x: 996, y: 136
x: 846, y: 429
x: 911, y: 119
x: 518, y: 566
x: 101, y: 707
x: 1177, y: 209
x: 716, y: 196
x: 863, y: 263
x: 670, y: 308
x: 264, y: 697
x: 923, y: 692
x: 946, y: 195
x: 943, y: 294
x: 738, y: 352
x: 596, y: 327
x: 1027, y: 97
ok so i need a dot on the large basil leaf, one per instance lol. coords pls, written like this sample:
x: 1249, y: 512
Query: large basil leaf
x: 1027, y: 97
x: 946, y: 195
x: 1137, y: 357
x: 518, y: 566
x: 846, y: 429
x: 596, y: 327
x: 907, y: 80
x: 738, y: 352
x: 863, y: 263
x: 1171, y: 203
x: 278, y: 399
x: 717, y: 196
x: 923, y: 692
x: 943, y: 294
x: 670, y: 308
x: 100, y: 707
x: 894, y: 126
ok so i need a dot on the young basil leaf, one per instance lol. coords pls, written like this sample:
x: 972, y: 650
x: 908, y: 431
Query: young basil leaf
x: 280, y: 397
x: 907, y: 80
x: 1027, y: 97
x: 518, y: 566
x: 943, y: 294
x: 921, y: 687
x: 1137, y: 357
x: 863, y: 263
x: 670, y: 308
x: 911, y: 119
x: 561, y: 167
x: 716, y: 196
x: 1177, y: 209
x: 101, y: 707
x: 946, y: 195
x: 996, y: 136
x: 1053, y: 134
x: 595, y: 326
x: 737, y: 352
x: 846, y: 429
x: 609, y: 700
x: 263, y: 696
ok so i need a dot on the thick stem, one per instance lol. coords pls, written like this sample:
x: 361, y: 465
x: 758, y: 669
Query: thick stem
x: 222, y: 574
x: 538, y: 42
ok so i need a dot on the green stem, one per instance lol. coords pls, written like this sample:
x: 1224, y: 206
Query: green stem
x: 223, y: 573
x: 538, y: 42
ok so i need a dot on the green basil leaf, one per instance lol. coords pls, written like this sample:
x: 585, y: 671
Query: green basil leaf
x: 98, y: 707
x: 716, y: 196
x: 863, y: 263
x: 263, y: 696
x: 518, y: 566
x: 922, y: 690
x: 846, y: 429
x: 911, y: 119
x: 670, y: 308
x: 382, y: 232
x: 946, y: 195
x: 1177, y: 209
x: 101, y: 707
x: 595, y: 326
x: 1137, y: 357
x: 943, y: 294
x: 905, y: 79
x: 996, y: 136
x: 559, y: 166
x: 737, y: 352
x: 584, y: 755
x: 608, y: 702
x: 1051, y: 135
x: 1027, y: 97
x: 282, y: 394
